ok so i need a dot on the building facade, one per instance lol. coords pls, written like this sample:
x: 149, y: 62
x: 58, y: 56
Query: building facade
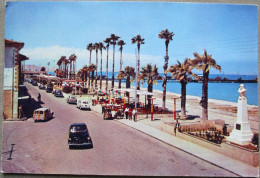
x: 12, y: 75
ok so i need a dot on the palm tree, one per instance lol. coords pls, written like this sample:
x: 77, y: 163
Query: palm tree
x: 72, y: 60
x: 120, y: 43
x: 90, y: 47
x: 101, y: 47
x: 113, y: 38
x: 128, y: 73
x: 96, y: 48
x: 66, y: 62
x: 107, y: 41
x: 92, y: 68
x: 183, y: 73
x: 165, y: 34
x: 151, y: 73
x: 139, y: 40
x: 85, y: 72
x: 204, y: 63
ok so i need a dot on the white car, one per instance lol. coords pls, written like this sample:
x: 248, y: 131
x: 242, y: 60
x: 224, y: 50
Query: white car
x: 83, y: 104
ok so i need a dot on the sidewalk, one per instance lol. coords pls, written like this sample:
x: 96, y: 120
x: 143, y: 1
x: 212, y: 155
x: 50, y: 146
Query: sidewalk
x: 224, y: 162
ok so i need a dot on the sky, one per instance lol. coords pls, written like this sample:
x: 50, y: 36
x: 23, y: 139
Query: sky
x: 53, y: 29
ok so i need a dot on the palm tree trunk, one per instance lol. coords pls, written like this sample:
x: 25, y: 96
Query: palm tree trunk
x: 138, y: 70
x: 100, y: 71
x: 128, y: 83
x: 97, y: 67
x: 92, y: 81
x: 89, y: 71
x: 119, y: 85
x: 107, y: 71
x: 113, y: 68
x: 150, y: 89
x: 204, y: 100
x: 183, y: 100
x: 165, y: 76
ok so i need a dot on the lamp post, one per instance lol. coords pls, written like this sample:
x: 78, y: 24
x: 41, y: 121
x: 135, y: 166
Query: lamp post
x: 152, y: 107
x: 174, y: 112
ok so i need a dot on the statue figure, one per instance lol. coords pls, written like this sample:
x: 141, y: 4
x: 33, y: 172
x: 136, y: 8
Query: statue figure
x: 242, y: 92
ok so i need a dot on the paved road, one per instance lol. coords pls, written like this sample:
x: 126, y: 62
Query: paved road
x: 118, y: 149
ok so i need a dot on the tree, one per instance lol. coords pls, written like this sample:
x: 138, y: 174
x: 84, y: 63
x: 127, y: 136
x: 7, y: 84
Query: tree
x: 92, y: 68
x: 96, y: 48
x: 72, y: 61
x: 151, y: 74
x: 204, y: 63
x: 101, y: 47
x: 107, y: 41
x: 139, y: 40
x: 85, y: 72
x: 128, y: 73
x: 120, y: 43
x: 165, y: 34
x: 90, y: 47
x: 113, y: 38
x: 183, y: 73
x: 43, y: 69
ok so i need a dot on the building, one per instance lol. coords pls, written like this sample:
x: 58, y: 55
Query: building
x: 32, y: 70
x: 12, y: 77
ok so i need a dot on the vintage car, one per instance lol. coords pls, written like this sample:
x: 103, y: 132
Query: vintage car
x: 34, y: 83
x: 79, y: 136
x: 49, y: 89
x: 58, y: 93
x: 72, y: 99
x: 42, y: 87
x: 108, y: 114
x: 83, y: 104
x: 42, y: 114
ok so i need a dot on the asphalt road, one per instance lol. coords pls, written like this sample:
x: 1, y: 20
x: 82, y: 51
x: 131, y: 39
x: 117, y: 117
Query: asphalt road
x: 42, y: 147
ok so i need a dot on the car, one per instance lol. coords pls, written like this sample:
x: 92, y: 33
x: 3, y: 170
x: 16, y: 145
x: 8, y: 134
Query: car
x: 49, y: 89
x: 72, y: 99
x: 34, y: 83
x: 42, y: 87
x: 42, y: 114
x: 79, y: 136
x: 83, y: 104
x: 58, y: 93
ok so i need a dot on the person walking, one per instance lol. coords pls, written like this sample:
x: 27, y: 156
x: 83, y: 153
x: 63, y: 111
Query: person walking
x: 126, y: 113
x: 134, y: 114
x: 130, y: 113
x: 177, y: 126
x: 20, y: 111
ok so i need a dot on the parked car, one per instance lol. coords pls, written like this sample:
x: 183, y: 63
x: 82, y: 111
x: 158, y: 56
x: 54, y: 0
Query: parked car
x: 42, y: 87
x: 72, y: 99
x: 83, y: 104
x: 34, y: 83
x: 58, y: 93
x: 79, y: 136
x: 42, y: 114
x: 49, y: 89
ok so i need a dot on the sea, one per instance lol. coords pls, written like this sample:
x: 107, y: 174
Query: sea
x: 216, y: 90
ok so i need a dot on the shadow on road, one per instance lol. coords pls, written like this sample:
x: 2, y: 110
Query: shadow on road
x: 29, y: 106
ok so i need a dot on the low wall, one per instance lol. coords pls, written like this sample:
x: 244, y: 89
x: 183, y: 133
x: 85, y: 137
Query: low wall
x: 235, y: 152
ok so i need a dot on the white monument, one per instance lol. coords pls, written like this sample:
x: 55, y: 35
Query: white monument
x: 241, y: 134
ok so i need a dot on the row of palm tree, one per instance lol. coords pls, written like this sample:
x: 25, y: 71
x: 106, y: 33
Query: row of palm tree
x: 65, y: 71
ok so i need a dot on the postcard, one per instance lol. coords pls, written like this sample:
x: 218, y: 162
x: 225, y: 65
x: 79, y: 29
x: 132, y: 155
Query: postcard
x: 130, y: 89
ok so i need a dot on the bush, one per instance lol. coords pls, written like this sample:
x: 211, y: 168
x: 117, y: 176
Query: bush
x: 84, y: 90
x: 67, y: 89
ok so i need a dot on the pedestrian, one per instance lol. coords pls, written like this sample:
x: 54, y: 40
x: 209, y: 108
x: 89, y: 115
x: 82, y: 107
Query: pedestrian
x: 130, y: 113
x: 20, y: 111
x: 134, y: 114
x: 103, y: 108
x: 93, y: 99
x: 177, y: 126
x: 126, y: 113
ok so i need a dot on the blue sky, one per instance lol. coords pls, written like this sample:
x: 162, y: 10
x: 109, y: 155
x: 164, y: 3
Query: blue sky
x: 53, y: 29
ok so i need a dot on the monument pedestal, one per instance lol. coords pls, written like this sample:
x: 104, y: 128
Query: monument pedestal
x: 241, y: 134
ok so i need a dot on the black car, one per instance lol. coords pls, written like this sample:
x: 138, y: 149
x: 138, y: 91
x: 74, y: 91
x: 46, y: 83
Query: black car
x: 49, y: 89
x: 34, y: 83
x: 79, y: 136
x: 58, y: 93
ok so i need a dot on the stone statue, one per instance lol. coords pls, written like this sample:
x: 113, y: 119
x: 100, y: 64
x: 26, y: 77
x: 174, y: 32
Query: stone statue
x: 242, y: 92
